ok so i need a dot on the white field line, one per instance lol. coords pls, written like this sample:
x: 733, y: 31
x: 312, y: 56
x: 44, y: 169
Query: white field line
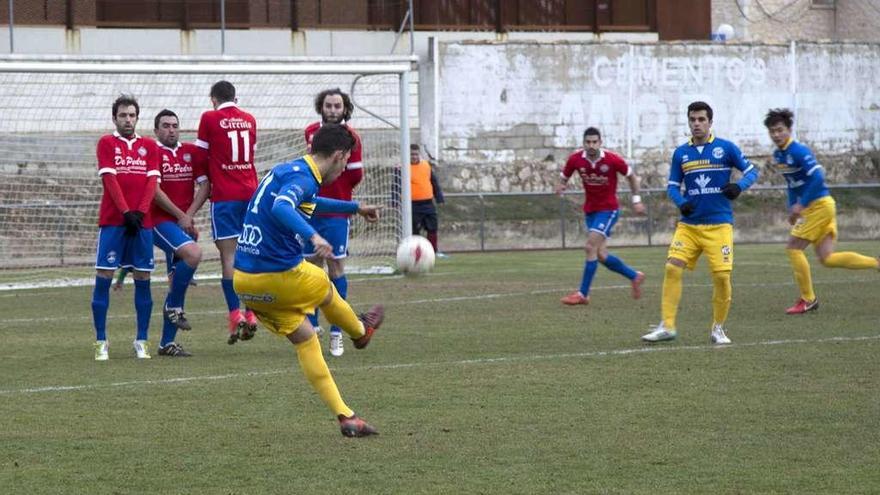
x: 464, y: 362
x: 475, y: 297
x: 56, y: 283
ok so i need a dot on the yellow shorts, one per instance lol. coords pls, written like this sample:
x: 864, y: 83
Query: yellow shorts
x: 817, y: 220
x: 281, y: 300
x: 689, y: 241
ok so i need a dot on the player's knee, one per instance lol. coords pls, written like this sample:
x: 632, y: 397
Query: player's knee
x: 675, y: 264
x: 721, y: 277
x: 191, y: 254
x: 139, y: 275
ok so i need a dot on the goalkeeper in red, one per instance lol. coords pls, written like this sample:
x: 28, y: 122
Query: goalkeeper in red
x: 281, y: 287
x: 598, y: 169
x: 812, y: 211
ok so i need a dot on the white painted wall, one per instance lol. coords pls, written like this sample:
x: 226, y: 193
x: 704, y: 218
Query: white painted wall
x: 522, y: 101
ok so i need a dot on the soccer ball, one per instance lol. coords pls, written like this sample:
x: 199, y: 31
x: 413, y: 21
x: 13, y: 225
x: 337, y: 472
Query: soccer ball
x: 415, y: 255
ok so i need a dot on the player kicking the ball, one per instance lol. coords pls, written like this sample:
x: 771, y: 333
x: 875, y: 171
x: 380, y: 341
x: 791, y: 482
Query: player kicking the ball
x: 274, y: 280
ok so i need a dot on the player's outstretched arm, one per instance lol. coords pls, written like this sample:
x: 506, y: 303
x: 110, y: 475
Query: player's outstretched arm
x: 369, y: 212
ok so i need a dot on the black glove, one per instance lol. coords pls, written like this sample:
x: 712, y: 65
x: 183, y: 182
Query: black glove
x: 687, y: 208
x: 133, y: 221
x: 731, y: 190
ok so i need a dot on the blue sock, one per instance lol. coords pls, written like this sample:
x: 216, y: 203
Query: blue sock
x: 169, y: 331
x: 229, y: 293
x: 183, y: 274
x: 616, y: 265
x: 313, y: 319
x: 100, y: 304
x: 341, y: 284
x: 143, y: 306
x: 589, y: 272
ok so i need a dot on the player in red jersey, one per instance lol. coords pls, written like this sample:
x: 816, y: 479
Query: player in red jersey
x: 129, y: 168
x: 335, y: 107
x: 598, y: 169
x: 229, y: 135
x: 183, y: 165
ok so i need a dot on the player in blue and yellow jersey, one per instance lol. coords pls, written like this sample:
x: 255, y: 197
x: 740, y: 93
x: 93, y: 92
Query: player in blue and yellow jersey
x: 703, y: 166
x: 812, y: 212
x: 274, y: 280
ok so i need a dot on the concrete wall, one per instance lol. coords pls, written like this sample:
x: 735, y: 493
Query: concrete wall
x: 511, y: 113
x: 786, y: 20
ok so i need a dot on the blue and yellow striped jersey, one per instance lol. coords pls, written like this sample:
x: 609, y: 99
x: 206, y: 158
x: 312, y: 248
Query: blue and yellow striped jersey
x: 803, y: 174
x: 703, y: 170
x: 265, y: 244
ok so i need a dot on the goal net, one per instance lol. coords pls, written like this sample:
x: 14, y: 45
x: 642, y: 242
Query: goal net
x: 56, y: 108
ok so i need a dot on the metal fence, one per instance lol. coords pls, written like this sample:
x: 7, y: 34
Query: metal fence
x: 543, y: 220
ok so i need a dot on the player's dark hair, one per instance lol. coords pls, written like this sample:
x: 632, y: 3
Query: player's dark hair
x: 592, y: 131
x: 164, y: 113
x: 700, y: 105
x: 346, y: 102
x: 415, y: 147
x: 331, y: 138
x: 125, y: 100
x: 223, y: 91
x: 779, y: 115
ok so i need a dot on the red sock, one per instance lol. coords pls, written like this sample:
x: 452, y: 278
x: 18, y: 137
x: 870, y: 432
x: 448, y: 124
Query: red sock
x: 432, y: 238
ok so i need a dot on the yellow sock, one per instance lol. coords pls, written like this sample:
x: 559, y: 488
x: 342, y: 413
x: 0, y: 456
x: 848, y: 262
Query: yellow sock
x: 339, y: 313
x: 851, y: 260
x: 315, y: 368
x: 671, y: 295
x: 721, y: 295
x: 802, y: 276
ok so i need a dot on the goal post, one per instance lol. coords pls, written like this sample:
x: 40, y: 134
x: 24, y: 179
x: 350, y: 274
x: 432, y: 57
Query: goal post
x: 55, y: 108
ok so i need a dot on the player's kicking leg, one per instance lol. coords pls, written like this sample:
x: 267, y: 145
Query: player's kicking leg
x: 314, y: 367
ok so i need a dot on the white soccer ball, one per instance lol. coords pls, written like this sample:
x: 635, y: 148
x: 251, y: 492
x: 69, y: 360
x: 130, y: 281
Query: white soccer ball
x: 725, y: 31
x: 415, y: 255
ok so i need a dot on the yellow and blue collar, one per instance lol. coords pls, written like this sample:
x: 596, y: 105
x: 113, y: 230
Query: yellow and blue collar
x: 708, y: 141
x: 313, y: 167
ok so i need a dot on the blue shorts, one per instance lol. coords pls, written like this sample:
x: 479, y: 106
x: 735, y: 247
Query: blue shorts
x: 169, y: 237
x: 227, y: 217
x: 601, y: 221
x: 115, y: 249
x: 334, y: 230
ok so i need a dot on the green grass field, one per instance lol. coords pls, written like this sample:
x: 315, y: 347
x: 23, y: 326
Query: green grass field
x: 479, y: 382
